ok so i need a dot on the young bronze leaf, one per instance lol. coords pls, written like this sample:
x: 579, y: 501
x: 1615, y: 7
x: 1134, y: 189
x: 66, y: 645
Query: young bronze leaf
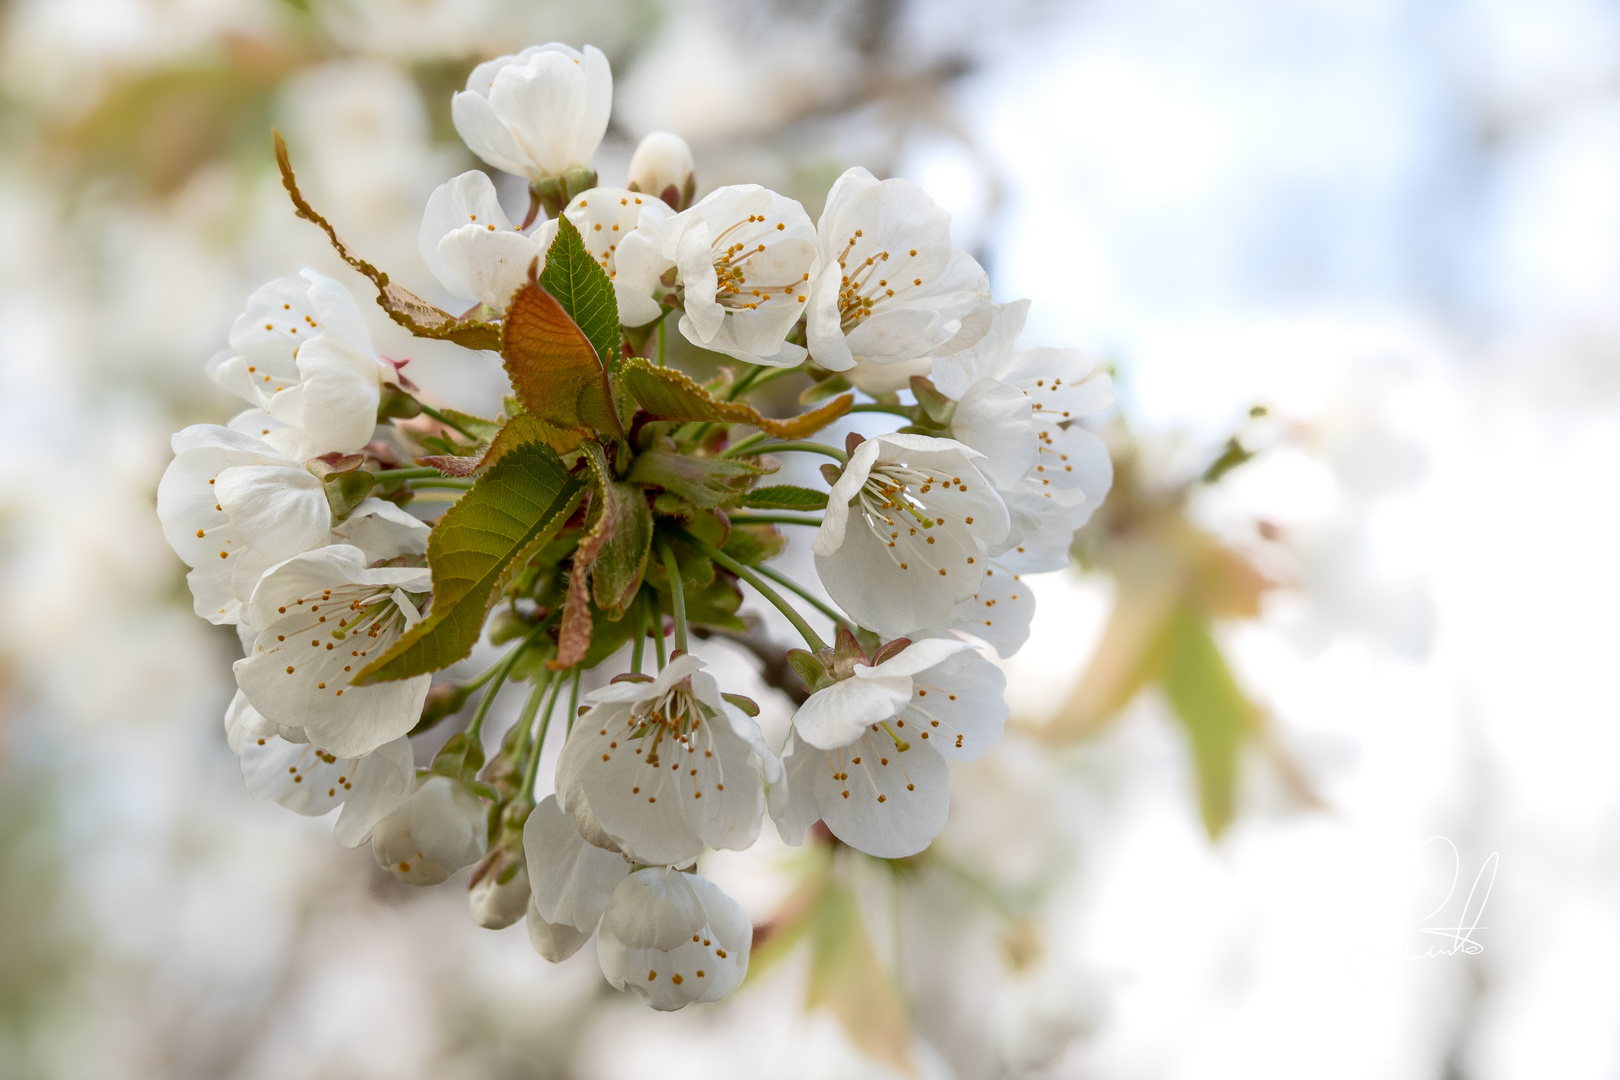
x: 403, y: 306
x: 578, y: 282
x: 669, y: 394
x: 553, y: 366
x: 518, y: 504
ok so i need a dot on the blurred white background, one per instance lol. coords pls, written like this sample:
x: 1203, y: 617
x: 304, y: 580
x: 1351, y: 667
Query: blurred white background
x: 1393, y: 223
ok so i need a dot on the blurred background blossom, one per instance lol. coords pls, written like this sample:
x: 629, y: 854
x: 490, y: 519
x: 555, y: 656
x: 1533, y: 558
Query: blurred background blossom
x: 1353, y: 264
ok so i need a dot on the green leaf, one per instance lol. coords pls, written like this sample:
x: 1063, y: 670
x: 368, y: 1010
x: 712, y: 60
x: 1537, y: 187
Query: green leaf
x: 1213, y: 708
x: 754, y: 544
x: 670, y: 394
x: 626, y: 521
x: 582, y: 287
x: 513, y: 509
x: 553, y: 365
x: 846, y: 977
x: 786, y: 497
x: 700, y: 481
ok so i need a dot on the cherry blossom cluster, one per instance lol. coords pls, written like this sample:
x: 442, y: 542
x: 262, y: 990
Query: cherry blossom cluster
x: 362, y: 541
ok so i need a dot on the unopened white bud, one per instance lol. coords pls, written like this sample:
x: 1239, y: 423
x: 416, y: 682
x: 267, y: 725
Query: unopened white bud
x: 501, y: 896
x: 442, y: 827
x: 662, y: 166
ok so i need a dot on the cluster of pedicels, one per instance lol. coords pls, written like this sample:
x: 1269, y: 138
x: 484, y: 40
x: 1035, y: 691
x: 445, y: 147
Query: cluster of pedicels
x: 343, y: 527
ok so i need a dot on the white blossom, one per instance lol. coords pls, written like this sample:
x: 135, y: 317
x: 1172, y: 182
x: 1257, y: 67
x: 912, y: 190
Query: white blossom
x: 672, y: 939
x: 888, y: 286
x: 555, y: 942
x: 744, y: 255
x: 302, y: 357
x: 310, y: 781
x: 1018, y: 407
x: 662, y: 162
x: 909, y: 526
x: 470, y: 244
x: 663, y: 768
x: 605, y: 217
x: 569, y: 879
x: 231, y: 507
x: 540, y: 113
x: 442, y: 827
x: 867, y: 755
x: 322, y: 616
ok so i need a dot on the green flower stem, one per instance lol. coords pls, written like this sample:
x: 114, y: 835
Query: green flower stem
x: 525, y: 726
x: 663, y: 338
x: 392, y: 476
x: 742, y: 447
x: 743, y: 384
x: 774, y: 519
x: 770, y: 375
x: 640, y: 646
x: 677, y: 592
x: 807, y: 448
x: 907, y: 411
x: 446, y: 421
x: 532, y: 767
x: 448, y: 482
x: 658, y: 634
x: 502, y: 670
x: 810, y: 637
x: 573, y: 703
x: 838, y: 617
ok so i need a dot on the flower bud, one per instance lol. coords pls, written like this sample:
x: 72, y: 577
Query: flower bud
x: 500, y: 890
x: 662, y: 166
x: 441, y: 828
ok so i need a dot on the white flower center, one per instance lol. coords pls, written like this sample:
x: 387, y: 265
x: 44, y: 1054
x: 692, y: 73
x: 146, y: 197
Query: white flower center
x: 868, y: 284
x: 356, y: 619
x: 893, y: 502
x: 742, y: 283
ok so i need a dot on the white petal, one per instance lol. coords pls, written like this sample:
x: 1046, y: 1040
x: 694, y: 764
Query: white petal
x: 486, y: 266
x: 555, y: 942
x: 838, y: 714
x: 994, y: 419
x: 383, y: 530
x: 543, y: 105
x: 999, y: 612
x: 282, y: 508
x: 438, y: 830
x: 333, y: 409
x: 874, y: 378
x: 958, y: 707
x: 704, y: 965
x: 469, y: 199
x: 956, y: 370
x: 486, y: 136
x: 873, y: 796
x: 569, y: 879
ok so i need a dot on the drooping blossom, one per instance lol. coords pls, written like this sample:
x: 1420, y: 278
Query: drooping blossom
x: 672, y: 939
x: 867, y: 754
x: 439, y: 829
x: 665, y: 767
x: 570, y: 880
